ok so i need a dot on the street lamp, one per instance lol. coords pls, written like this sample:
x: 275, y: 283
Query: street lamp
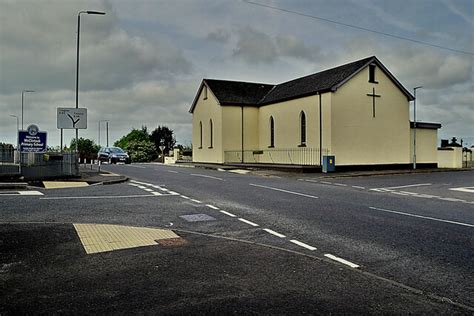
x: 414, y: 125
x: 22, y: 97
x: 107, y: 131
x: 77, y: 59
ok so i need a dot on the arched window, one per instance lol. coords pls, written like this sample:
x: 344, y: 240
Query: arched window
x: 272, y: 132
x: 210, y: 134
x: 302, y: 129
x: 200, y: 134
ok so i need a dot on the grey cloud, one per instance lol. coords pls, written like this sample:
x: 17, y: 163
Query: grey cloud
x: 292, y: 46
x: 220, y: 36
x: 40, y: 51
x: 255, y: 47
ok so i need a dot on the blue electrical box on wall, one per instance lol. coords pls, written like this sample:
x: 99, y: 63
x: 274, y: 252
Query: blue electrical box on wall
x: 329, y: 164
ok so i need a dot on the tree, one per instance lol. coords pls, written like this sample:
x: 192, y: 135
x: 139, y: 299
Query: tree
x: 141, y: 150
x: 163, y: 136
x: 136, y: 135
x: 87, y: 148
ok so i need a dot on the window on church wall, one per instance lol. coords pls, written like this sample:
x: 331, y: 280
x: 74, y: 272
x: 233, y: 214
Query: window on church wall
x: 200, y: 135
x: 372, y: 74
x: 210, y: 133
x: 272, y: 132
x: 204, y: 92
x: 302, y: 129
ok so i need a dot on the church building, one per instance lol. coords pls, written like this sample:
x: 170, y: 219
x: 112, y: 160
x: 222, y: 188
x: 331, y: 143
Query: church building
x: 357, y: 112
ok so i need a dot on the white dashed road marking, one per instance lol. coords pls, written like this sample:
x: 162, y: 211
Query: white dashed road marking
x: 248, y: 222
x: 212, y: 206
x: 358, y: 187
x: 301, y: 244
x: 350, y: 264
x: 285, y: 191
x: 274, y: 233
x: 420, y: 216
x: 196, y: 201
x: 228, y: 214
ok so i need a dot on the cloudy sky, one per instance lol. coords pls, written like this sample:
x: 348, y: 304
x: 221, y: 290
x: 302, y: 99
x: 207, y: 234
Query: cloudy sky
x: 142, y: 62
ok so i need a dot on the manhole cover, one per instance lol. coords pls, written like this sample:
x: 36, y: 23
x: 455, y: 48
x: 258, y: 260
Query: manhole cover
x: 173, y: 242
x: 197, y: 218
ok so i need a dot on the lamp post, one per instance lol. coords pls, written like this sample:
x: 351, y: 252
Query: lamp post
x: 22, y: 98
x: 100, y: 121
x: 77, y: 59
x: 414, y: 125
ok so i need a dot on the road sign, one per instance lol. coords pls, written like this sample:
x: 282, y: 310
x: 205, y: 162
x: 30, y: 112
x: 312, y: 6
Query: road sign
x: 72, y: 118
x: 32, y: 140
x: 161, y: 147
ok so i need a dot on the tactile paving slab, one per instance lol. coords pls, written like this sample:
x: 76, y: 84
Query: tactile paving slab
x: 103, y: 237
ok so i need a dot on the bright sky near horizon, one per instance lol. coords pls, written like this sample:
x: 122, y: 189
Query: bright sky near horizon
x: 141, y: 63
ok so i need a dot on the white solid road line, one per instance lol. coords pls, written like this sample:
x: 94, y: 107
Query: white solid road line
x: 299, y: 243
x: 30, y: 193
x: 212, y: 206
x: 227, y: 213
x: 466, y: 189
x: 285, y: 191
x: 350, y: 264
x: 409, y: 186
x: 205, y: 176
x: 97, y: 197
x: 420, y: 216
x: 274, y: 233
x: 248, y: 222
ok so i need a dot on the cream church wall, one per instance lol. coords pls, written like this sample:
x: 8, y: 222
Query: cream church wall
x: 287, y: 123
x: 205, y: 110
x: 357, y: 137
x: 232, y: 132
x: 426, y: 145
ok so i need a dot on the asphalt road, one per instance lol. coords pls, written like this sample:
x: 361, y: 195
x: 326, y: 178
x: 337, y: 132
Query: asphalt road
x: 404, y: 241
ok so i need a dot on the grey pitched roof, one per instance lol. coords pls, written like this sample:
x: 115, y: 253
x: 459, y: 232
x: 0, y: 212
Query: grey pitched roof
x: 238, y: 93
x: 258, y: 94
x: 319, y: 82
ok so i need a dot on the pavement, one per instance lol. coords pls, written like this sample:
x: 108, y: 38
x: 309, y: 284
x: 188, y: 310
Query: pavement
x: 296, y: 171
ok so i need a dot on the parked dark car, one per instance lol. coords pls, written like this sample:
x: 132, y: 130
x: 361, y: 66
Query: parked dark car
x: 113, y: 155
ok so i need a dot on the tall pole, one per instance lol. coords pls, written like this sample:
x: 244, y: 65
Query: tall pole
x: 77, y: 69
x: 77, y: 60
x: 107, y: 129
x: 414, y: 125
x: 22, y: 101
x: 98, y: 138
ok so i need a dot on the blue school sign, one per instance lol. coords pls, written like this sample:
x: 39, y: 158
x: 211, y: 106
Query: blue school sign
x: 32, y: 140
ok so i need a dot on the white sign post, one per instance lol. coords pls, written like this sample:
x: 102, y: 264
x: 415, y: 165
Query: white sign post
x: 72, y: 118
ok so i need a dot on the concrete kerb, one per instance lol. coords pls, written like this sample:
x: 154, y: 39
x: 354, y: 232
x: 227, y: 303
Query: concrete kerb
x: 347, y: 174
